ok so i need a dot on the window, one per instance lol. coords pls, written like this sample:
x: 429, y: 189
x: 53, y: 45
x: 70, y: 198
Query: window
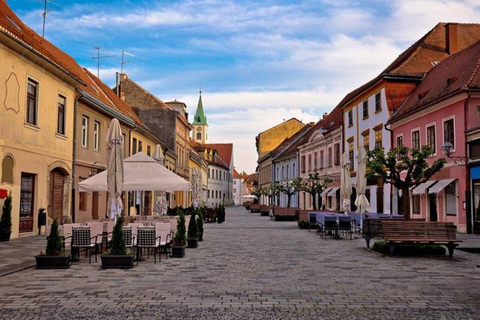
x: 448, y: 132
x: 336, y: 148
x: 234, y: 190
x: 61, y: 115
x: 329, y: 157
x: 309, y: 162
x: 315, y: 160
x: 82, y: 201
x: 96, y: 135
x: 378, y: 138
x: 293, y: 170
x: 366, y: 140
x: 400, y: 141
x: 365, y: 109
x: 32, y: 95
x: 134, y: 145
x: 140, y: 147
x: 350, y: 117
x: 416, y: 204
x: 199, y: 136
x: 350, y: 153
x: 416, y: 139
x: 322, y: 155
x: 208, y: 193
x: 149, y: 150
x: 451, y: 199
x: 378, y: 103
x: 302, y: 164
x: 209, y: 173
x: 283, y: 172
x: 84, y: 131
x: 431, y: 138
x: 27, y: 195
x: 7, y: 170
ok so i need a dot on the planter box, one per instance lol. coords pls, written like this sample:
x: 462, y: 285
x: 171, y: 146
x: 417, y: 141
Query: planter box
x: 117, y: 262
x: 5, y: 236
x: 178, y: 251
x: 53, y: 262
x: 192, y: 243
x: 200, y: 237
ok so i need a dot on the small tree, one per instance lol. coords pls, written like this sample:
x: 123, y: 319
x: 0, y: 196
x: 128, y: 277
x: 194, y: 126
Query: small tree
x: 402, y: 161
x: 118, y: 241
x: 271, y: 192
x: 54, y: 244
x: 313, y: 185
x: 180, y: 238
x: 6, y: 220
x: 192, y: 226
x: 256, y: 191
x: 289, y: 188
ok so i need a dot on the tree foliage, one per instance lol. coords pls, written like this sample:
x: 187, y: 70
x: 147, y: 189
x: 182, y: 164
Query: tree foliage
x: 118, y: 241
x: 314, y: 184
x: 54, y: 244
x: 289, y: 188
x: 192, y: 226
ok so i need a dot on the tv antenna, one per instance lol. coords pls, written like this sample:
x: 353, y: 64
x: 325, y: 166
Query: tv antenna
x: 124, y: 62
x: 98, y: 57
x: 45, y: 12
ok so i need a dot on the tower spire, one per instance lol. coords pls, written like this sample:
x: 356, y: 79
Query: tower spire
x: 200, y: 126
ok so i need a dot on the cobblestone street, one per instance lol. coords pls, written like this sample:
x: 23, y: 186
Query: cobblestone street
x: 251, y: 267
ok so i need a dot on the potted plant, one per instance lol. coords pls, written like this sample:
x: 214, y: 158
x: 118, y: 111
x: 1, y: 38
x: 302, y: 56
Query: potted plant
x: 193, y: 231
x: 180, y: 239
x: 221, y: 213
x: 6, y: 220
x: 117, y: 257
x: 200, y: 225
x: 53, y: 257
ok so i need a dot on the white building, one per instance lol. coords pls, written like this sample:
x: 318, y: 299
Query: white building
x: 239, y: 189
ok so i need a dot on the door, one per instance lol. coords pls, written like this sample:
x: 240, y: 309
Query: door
x: 380, y: 199
x: 55, y: 204
x: 476, y: 207
x: 353, y: 197
x: 27, y: 197
x: 432, y: 198
x: 95, y: 196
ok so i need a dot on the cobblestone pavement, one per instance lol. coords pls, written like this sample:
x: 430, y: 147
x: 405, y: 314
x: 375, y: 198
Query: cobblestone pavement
x: 254, y: 268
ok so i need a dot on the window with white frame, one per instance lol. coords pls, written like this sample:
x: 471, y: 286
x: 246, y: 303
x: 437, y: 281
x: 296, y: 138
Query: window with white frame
x: 96, y: 135
x: 61, y: 114
x: 350, y: 118
x: 399, y: 141
x: 451, y: 199
x: 431, y: 138
x: 416, y: 139
x: 32, y: 103
x: 84, y: 131
x: 448, y: 132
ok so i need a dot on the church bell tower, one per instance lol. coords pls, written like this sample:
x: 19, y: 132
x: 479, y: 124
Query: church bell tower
x: 200, y: 126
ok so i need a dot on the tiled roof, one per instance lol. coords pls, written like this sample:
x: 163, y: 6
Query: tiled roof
x: 236, y: 175
x: 422, y: 55
x: 460, y: 72
x: 11, y: 25
x: 225, y: 151
x: 332, y: 121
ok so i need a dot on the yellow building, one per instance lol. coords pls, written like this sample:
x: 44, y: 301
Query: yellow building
x: 36, y: 124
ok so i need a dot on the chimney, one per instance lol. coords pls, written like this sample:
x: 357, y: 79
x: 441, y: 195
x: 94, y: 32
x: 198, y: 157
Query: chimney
x: 451, y: 35
x: 324, y: 115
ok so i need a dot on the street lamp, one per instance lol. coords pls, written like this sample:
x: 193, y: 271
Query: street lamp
x: 447, y: 148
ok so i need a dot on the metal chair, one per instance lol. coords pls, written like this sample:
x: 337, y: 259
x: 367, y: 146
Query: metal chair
x: 81, y: 239
x: 146, y: 239
x: 129, y: 238
x: 330, y: 224
x: 345, y: 225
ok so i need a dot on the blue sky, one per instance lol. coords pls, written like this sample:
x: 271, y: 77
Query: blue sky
x: 257, y: 62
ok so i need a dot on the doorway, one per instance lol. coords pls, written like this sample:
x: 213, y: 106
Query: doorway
x: 432, y: 201
x: 95, y: 196
x: 27, y: 198
x: 56, y: 194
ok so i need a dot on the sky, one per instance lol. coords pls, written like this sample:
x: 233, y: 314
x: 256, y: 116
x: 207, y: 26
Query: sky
x: 257, y: 63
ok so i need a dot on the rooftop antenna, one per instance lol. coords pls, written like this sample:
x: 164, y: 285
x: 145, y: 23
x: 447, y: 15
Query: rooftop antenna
x: 123, y: 59
x: 45, y: 12
x: 98, y: 57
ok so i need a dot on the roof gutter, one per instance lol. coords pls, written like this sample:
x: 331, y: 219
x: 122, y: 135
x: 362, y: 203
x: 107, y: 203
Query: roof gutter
x: 106, y: 109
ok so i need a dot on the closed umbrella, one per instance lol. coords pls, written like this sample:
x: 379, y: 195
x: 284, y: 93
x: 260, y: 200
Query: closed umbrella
x: 114, y: 169
x: 161, y: 196
x: 346, y: 185
x: 158, y: 155
x: 361, y: 202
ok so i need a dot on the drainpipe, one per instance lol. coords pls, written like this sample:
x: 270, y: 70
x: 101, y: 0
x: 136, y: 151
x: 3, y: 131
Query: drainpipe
x: 468, y: 191
x: 391, y: 145
x: 74, y: 154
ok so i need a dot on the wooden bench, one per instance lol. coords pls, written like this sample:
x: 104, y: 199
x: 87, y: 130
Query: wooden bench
x: 284, y: 214
x: 371, y: 228
x: 417, y: 232
x: 210, y: 215
x: 254, y: 208
x: 265, y: 210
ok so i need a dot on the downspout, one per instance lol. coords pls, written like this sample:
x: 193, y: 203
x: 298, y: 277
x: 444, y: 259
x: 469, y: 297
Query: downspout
x: 391, y: 146
x: 74, y: 154
x: 468, y: 191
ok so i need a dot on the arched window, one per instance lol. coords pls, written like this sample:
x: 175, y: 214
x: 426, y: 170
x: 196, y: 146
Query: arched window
x: 7, y: 170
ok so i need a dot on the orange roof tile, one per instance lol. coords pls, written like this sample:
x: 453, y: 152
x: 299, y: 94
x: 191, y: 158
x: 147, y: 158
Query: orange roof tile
x: 225, y: 151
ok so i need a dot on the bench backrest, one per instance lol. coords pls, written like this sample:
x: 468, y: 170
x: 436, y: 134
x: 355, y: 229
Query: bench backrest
x: 372, y: 227
x: 330, y: 223
x: 418, y: 230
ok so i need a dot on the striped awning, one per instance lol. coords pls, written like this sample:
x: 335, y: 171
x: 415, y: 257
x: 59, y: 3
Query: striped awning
x: 420, y: 189
x: 331, y: 193
x: 440, y: 185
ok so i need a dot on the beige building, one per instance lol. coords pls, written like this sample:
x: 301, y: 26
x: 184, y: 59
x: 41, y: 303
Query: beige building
x: 36, y: 124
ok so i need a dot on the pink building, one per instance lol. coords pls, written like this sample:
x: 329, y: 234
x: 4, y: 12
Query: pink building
x: 438, y: 113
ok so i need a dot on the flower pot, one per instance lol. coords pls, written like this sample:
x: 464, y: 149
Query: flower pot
x: 53, y: 262
x: 5, y: 235
x: 178, y: 251
x: 200, y: 237
x: 117, y: 262
x: 192, y: 242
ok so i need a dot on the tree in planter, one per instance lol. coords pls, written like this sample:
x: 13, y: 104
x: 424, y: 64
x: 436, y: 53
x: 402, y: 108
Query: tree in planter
x: 200, y: 222
x: 271, y: 192
x: 180, y: 238
x: 118, y: 242
x: 411, y: 163
x: 192, y: 227
x: 289, y: 188
x: 314, y: 184
x: 6, y: 219
x: 256, y: 191
x: 54, y: 243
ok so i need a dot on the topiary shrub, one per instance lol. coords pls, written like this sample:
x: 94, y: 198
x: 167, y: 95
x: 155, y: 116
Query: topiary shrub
x: 199, y: 221
x: 303, y: 224
x: 180, y: 238
x: 192, y: 227
x: 6, y: 220
x: 118, y: 242
x: 54, y: 243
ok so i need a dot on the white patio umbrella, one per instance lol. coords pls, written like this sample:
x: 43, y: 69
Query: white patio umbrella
x: 361, y: 202
x: 161, y: 205
x: 346, y: 185
x: 141, y: 173
x: 250, y: 196
x: 114, y: 173
x: 158, y: 155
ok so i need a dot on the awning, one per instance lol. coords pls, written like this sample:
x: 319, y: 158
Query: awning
x: 331, y: 193
x: 420, y: 189
x: 441, y: 184
x: 324, y: 192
